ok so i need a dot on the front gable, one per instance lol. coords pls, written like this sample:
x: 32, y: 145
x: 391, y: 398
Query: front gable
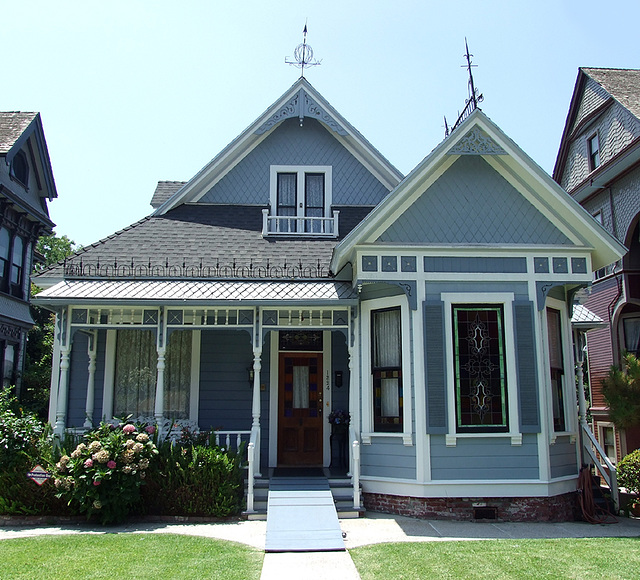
x: 472, y: 204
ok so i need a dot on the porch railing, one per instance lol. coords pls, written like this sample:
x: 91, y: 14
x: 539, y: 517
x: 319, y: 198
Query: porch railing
x: 231, y: 440
x: 355, y: 466
x: 597, y: 454
x: 273, y: 225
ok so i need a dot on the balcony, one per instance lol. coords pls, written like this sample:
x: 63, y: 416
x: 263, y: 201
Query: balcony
x: 300, y: 226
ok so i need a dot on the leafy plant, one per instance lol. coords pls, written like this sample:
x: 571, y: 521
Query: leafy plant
x: 102, y: 477
x: 629, y: 472
x: 621, y: 390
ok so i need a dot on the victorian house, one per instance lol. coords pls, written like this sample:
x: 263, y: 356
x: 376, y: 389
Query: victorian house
x: 299, y: 274
x: 26, y: 183
x: 599, y: 165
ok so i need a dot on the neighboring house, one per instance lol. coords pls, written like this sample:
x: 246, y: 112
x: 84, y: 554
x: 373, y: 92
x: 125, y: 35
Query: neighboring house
x: 299, y: 273
x: 599, y: 165
x: 26, y: 182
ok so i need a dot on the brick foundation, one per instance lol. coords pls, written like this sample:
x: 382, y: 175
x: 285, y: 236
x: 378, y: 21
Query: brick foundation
x: 560, y: 508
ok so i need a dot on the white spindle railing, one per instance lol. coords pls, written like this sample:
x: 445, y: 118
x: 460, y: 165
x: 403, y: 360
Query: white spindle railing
x: 229, y: 437
x: 300, y: 225
x: 597, y: 453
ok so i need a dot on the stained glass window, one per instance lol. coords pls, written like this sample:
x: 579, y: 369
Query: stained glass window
x: 480, y: 368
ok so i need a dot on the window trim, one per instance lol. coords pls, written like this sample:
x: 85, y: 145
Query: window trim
x: 368, y: 432
x: 561, y: 371
x: 591, y: 155
x: 300, y: 171
x: 601, y: 425
x: 504, y: 299
x: 21, y: 157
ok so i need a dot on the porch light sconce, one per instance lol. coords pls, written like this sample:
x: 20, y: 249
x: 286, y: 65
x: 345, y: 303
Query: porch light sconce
x: 251, y: 374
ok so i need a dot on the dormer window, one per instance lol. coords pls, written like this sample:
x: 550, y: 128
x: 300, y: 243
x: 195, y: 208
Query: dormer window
x: 594, y: 152
x: 20, y: 168
x: 300, y: 202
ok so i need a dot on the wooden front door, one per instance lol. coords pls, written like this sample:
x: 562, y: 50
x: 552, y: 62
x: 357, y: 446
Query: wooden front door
x: 300, y: 409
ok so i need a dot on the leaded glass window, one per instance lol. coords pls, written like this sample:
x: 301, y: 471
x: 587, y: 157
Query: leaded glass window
x: 386, y: 359
x: 480, y: 368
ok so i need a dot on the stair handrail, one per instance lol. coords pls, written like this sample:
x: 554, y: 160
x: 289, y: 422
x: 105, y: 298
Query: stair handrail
x: 355, y: 466
x: 254, y: 442
x: 611, y: 477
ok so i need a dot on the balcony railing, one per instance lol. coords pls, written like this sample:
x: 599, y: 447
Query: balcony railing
x: 276, y: 225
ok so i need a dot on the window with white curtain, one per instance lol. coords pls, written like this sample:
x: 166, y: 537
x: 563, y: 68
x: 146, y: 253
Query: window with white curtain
x: 136, y: 374
x: 386, y: 363
x: 631, y: 328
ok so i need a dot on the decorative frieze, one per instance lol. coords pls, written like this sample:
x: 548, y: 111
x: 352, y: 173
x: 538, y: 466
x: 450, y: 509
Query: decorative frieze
x: 476, y: 142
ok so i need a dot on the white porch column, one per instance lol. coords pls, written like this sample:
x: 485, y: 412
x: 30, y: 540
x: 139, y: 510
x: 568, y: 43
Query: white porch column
x: 159, y: 407
x: 63, y: 388
x: 255, y: 409
x: 92, y: 352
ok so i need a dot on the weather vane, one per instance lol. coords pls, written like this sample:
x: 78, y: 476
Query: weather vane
x: 303, y: 54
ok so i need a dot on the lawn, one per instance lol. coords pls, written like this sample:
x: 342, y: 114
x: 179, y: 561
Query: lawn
x: 610, y: 558
x: 127, y: 556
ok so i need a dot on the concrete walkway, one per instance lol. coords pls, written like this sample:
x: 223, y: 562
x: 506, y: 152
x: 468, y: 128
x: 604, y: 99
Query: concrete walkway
x: 374, y: 529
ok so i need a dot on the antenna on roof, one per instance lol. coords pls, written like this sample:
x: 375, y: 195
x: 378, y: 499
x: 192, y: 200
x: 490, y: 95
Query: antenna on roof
x: 303, y: 54
x: 474, y: 98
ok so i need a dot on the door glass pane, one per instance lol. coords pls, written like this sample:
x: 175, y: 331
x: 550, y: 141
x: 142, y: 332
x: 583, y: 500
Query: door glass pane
x: 287, y: 193
x: 314, y: 194
x: 301, y: 387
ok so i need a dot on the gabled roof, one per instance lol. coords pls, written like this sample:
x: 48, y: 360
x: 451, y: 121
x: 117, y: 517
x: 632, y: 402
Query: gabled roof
x: 622, y: 85
x: 164, y: 190
x: 300, y: 101
x: 15, y: 130
x: 478, y: 135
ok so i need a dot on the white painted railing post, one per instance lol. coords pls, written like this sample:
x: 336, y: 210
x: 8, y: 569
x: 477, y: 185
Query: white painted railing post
x: 91, y: 381
x: 250, y: 476
x: 356, y: 475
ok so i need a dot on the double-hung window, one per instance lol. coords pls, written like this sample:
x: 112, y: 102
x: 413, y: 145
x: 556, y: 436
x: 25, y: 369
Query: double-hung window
x: 12, y: 256
x: 556, y: 366
x: 593, y: 145
x: 301, y: 200
x: 386, y: 367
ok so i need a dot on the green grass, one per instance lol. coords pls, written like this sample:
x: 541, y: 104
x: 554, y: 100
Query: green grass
x: 129, y: 556
x: 610, y: 558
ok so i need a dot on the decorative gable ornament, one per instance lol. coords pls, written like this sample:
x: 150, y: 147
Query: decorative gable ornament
x: 301, y: 105
x: 476, y: 142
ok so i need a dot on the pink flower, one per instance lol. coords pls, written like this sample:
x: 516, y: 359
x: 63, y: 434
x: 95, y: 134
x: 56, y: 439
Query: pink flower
x: 128, y: 429
x: 88, y: 463
x: 150, y: 429
x: 96, y: 483
x: 111, y: 464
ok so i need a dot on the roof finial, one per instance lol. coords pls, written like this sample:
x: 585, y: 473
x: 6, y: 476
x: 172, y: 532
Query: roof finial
x: 303, y: 54
x: 474, y: 98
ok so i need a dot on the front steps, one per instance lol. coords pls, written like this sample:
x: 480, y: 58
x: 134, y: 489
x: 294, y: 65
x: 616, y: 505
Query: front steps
x: 341, y: 490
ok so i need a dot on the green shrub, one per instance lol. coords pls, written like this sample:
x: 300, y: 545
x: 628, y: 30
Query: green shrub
x: 102, y: 477
x: 629, y: 472
x: 195, y: 480
x: 621, y: 390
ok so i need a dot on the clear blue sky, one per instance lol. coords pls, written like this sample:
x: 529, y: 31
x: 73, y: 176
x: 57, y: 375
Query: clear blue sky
x: 132, y: 92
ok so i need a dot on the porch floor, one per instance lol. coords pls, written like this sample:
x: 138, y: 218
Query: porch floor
x: 301, y: 515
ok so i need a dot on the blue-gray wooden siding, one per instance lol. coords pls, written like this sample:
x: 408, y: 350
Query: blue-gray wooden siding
x: 563, y: 458
x: 290, y: 144
x: 388, y: 457
x: 472, y: 204
x: 484, y: 458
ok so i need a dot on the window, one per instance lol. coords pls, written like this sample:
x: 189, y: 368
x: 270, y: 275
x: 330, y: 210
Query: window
x: 631, y: 330
x: 556, y: 366
x: 593, y: 146
x: 608, y: 441
x: 386, y: 367
x: 5, y: 264
x: 20, y: 168
x: 480, y: 368
x: 301, y: 200
x: 17, y: 266
x: 11, y: 263
x: 136, y: 374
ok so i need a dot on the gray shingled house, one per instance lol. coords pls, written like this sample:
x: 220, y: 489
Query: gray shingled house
x: 26, y: 183
x: 298, y: 274
x: 599, y: 165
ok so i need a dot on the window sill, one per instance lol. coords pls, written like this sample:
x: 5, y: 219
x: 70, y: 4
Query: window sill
x: 451, y: 439
x: 554, y: 436
x: 407, y: 438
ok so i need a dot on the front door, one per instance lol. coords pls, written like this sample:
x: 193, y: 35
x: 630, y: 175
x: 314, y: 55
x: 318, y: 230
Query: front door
x: 300, y: 409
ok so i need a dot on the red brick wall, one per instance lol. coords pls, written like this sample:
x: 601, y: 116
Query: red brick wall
x: 560, y: 508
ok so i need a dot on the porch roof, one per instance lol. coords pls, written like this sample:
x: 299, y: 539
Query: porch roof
x: 182, y: 291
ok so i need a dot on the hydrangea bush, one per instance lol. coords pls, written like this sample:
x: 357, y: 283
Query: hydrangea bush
x: 102, y: 477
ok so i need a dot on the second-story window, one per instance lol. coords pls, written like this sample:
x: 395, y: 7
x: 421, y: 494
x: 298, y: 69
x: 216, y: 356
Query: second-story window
x: 300, y: 200
x: 594, y: 152
x: 11, y: 263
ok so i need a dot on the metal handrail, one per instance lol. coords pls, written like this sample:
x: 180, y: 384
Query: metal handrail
x: 611, y: 477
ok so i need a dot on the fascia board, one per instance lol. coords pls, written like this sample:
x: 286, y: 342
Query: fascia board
x: 571, y: 115
x: 242, y: 145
